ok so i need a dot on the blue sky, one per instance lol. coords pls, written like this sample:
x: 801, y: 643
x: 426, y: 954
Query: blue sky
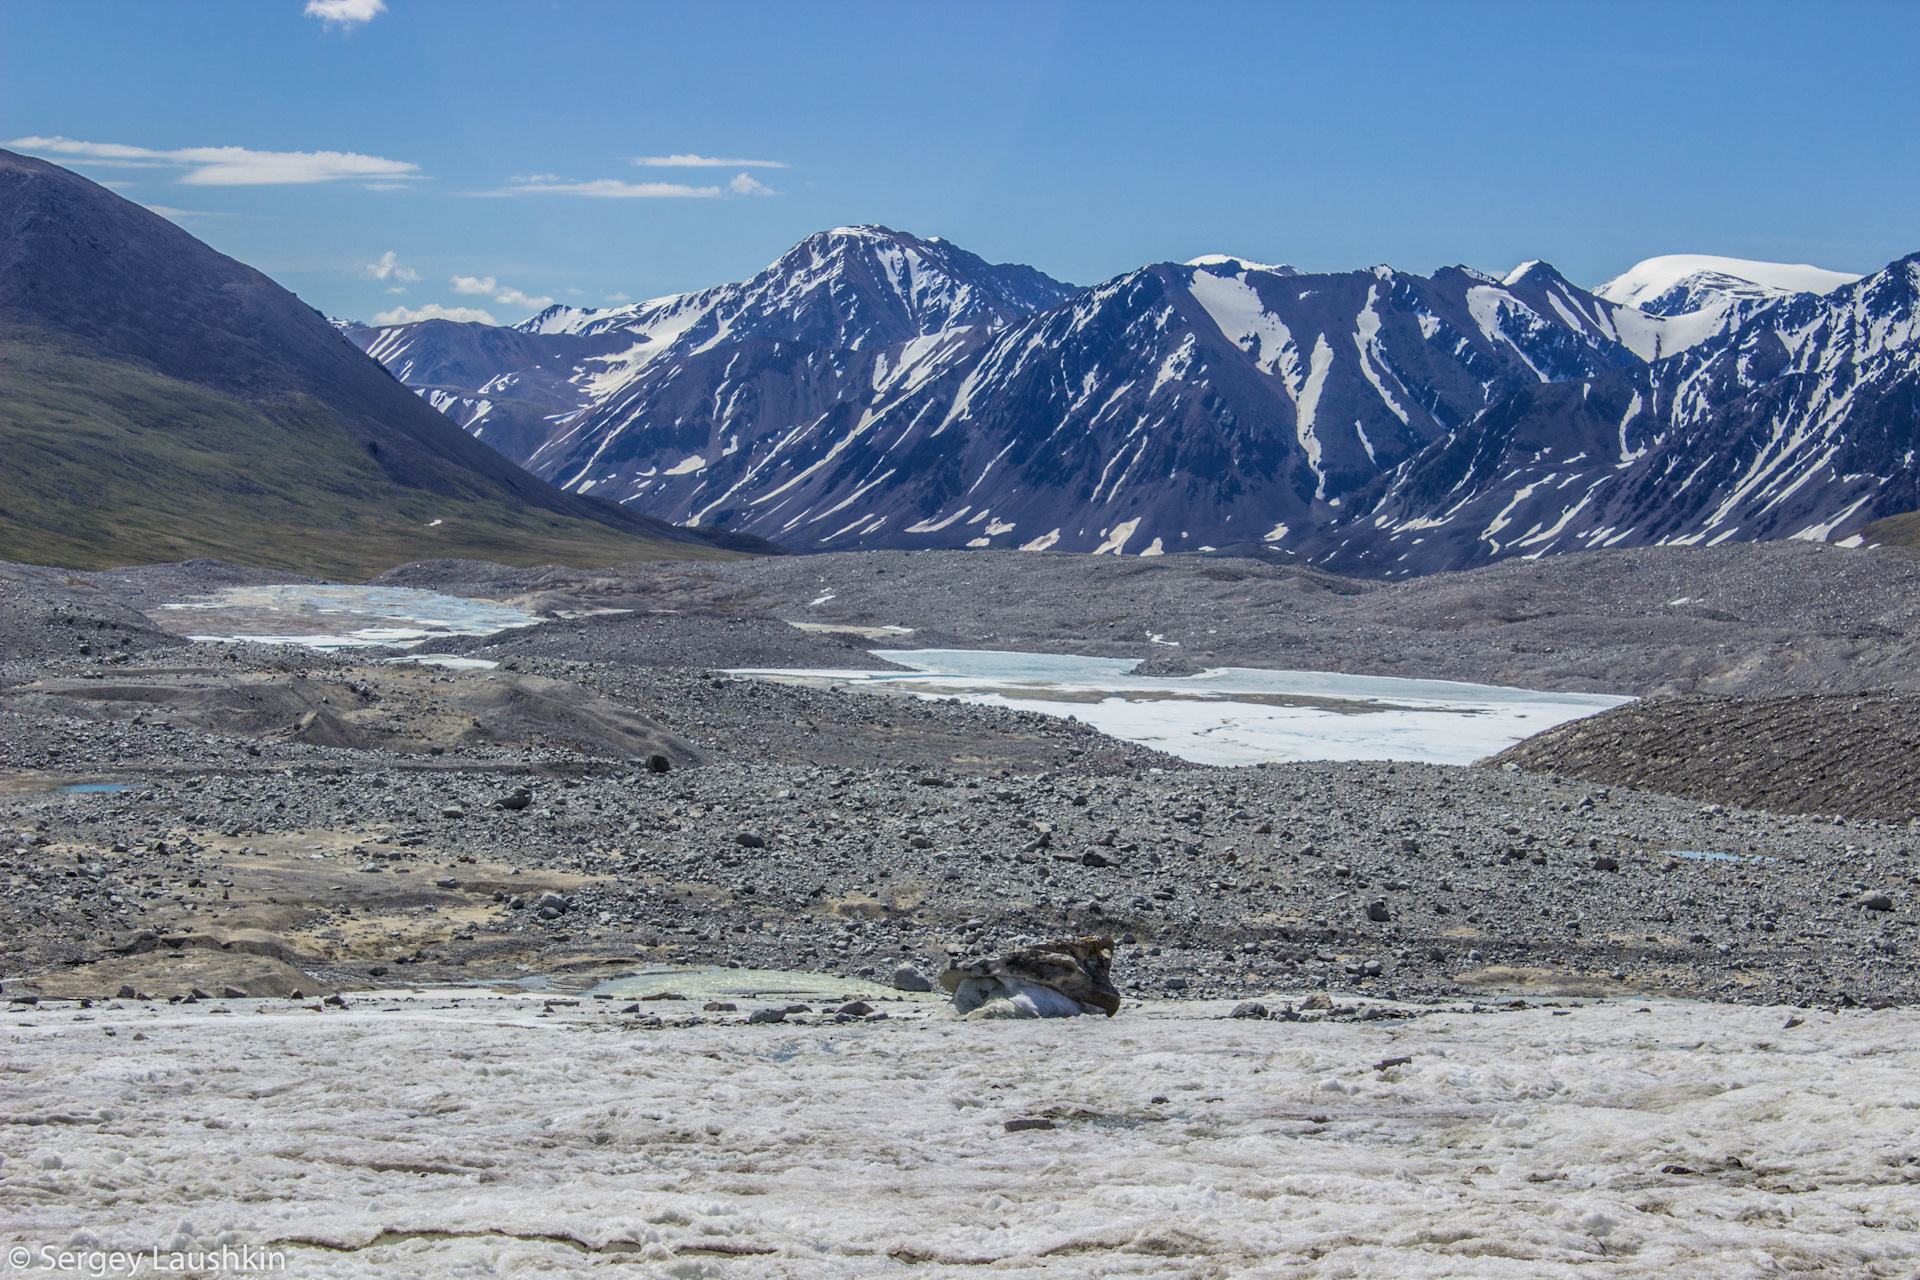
x: 476, y: 139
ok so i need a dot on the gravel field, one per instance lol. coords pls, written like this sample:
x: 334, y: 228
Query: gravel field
x: 299, y: 817
x: 1856, y: 754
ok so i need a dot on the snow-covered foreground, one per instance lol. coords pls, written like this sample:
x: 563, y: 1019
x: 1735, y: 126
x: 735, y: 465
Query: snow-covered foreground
x: 487, y: 1135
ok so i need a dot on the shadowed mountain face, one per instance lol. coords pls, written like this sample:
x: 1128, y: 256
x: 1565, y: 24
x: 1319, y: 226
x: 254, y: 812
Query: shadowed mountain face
x: 874, y: 390
x: 162, y: 398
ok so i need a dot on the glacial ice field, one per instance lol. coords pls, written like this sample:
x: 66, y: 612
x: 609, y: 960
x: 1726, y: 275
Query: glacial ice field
x: 1234, y: 715
x: 471, y: 1133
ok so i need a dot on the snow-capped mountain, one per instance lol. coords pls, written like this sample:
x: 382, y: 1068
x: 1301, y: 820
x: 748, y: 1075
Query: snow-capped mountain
x: 871, y: 389
x: 603, y: 401
x: 1678, y: 282
x: 1799, y: 422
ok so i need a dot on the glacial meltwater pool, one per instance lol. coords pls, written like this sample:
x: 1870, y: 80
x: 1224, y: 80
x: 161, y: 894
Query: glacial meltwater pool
x: 1231, y: 715
x: 328, y: 617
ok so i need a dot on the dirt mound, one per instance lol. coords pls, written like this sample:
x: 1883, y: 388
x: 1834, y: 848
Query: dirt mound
x: 1854, y: 755
x: 48, y: 613
x: 406, y: 709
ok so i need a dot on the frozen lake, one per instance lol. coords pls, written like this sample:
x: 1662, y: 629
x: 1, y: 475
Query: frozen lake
x: 323, y: 616
x: 432, y: 1134
x: 1233, y: 715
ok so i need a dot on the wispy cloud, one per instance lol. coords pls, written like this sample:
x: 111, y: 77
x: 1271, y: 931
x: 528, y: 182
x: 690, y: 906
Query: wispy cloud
x: 745, y: 185
x: 610, y: 189
x: 704, y: 162
x: 506, y: 297
x: 616, y: 297
x: 346, y: 13
x: 227, y: 166
x: 434, y: 311
x: 179, y: 215
x: 389, y: 268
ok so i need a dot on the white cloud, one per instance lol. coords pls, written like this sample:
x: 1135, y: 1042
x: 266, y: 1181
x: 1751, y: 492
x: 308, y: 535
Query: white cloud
x: 228, y: 166
x: 389, y: 268
x: 506, y: 297
x: 609, y: 188
x: 345, y: 13
x: 744, y: 185
x: 434, y: 311
x: 615, y: 297
x: 704, y: 162
x: 176, y: 215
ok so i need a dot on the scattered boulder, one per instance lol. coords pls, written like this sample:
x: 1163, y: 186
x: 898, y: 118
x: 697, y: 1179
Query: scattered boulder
x: 750, y: 840
x: 908, y: 978
x: 520, y: 798
x: 1377, y: 911
x: 1029, y: 1122
x: 1054, y: 980
x: 1249, y: 1009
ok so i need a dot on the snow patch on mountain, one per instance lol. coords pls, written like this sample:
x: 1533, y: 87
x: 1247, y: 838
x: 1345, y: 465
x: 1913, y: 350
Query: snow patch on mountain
x: 1647, y: 282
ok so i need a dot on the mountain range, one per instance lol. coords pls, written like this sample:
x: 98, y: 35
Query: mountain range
x: 875, y: 390
x: 160, y: 401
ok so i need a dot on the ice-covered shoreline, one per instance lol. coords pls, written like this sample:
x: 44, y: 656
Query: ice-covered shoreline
x: 438, y: 1135
x: 1230, y: 715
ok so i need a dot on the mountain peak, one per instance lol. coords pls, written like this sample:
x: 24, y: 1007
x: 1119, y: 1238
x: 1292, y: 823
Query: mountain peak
x: 1241, y: 264
x: 1678, y: 282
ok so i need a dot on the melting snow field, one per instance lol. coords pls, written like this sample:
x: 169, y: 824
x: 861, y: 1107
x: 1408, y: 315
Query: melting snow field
x: 444, y: 1134
x: 1236, y: 715
x: 319, y: 615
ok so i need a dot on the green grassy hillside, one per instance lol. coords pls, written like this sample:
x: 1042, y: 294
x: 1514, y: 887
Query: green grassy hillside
x: 104, y: 463
x: 1902, y: 530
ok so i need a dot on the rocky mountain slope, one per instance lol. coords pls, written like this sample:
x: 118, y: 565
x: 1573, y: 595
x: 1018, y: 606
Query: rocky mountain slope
x: 159, y: 400
x: 874, y: 390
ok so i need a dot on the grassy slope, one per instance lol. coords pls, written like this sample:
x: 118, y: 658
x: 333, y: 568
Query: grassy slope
x: 106, y: 463
x: 1902, y: 530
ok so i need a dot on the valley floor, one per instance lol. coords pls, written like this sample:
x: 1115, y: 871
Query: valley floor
x: 1524, y: 1024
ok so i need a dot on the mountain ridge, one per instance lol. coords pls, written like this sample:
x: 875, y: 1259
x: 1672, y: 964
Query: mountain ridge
x: 1179, y: 406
